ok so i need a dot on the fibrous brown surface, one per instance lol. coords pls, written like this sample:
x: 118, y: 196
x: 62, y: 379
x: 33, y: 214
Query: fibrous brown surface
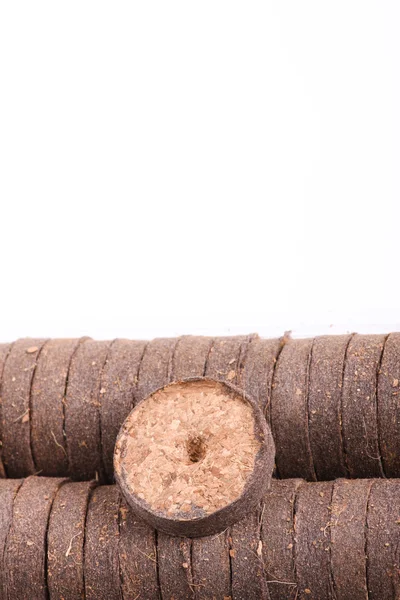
x: 301, y: 542
x: 334, y: 397
x: 289, y: 410
x: 359, y: 406
x: 18, y: 372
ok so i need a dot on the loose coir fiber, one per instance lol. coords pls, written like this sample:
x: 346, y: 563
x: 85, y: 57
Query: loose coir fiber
x: 334, y: 397
x: 323, y: 540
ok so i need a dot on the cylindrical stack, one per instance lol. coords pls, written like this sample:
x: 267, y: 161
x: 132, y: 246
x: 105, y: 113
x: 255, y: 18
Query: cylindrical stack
x: 305, y: 540
x: 334, y: 397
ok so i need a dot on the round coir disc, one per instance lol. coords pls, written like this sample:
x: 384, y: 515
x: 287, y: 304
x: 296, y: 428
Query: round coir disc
x: 194, y: 457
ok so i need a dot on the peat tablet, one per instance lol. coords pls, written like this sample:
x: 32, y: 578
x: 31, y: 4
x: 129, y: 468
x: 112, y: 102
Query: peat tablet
x: 18, y: 373
x: 348, y: 526
x: 211, y: 569
x: 226, y: 358
x: 101, y: 564
x: 25, y: 555
x: 8, y: 491
x: 175, y: 567
x: 4, y: 352
x: 248, y: 580
x: 289, y: 411
x: 324, y: 405
x: 117, y: 394
x: 190, y: 357
x: 194, y: 457
x: 388, y: 399
x: 312, y: 541
x: 65, y: 540
x: 137, y: 557
x: 155, y: 367
x: 383, y: 537
x: 359, y: 407
x: 47, y: 407
x: 277, y: 536
x: 82, y: 414
x: 258, y: 370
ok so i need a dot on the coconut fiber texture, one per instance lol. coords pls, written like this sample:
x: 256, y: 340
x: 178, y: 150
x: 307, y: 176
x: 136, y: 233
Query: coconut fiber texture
x: 72, y: 540
x: 335, y: 397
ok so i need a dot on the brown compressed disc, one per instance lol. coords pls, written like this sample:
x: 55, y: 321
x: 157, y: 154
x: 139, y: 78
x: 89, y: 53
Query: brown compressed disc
x: 277, y: 536
x: 82, y: 414
x: 47, y: 407
x: 312, y: 541
x: 101, y: 564
x: 258, y: 371
x: 194, y: 457
x: 227, y: 356
x: 137, y: 557
x: 388, y: 399
x: 155, y: 367
x: 190, y: 357
x: 18, y: 372
x: 8, y: 491
x: 117, y: 394
x: 65, y: 541
x: 324, y: 405
x: 289, y: 411
x: 248, y: 579
x: 348, y: 560
x: 4, y: 352
x: 25, y: 556
x: 359, y: 407
x: 211, y: 567
x: 383, y: 531
x: 175, y: 567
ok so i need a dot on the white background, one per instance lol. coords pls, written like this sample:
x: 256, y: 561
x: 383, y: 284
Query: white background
x: 199, y: 167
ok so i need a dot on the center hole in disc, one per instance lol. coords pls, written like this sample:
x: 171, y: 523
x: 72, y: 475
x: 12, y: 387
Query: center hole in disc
x: 196, y: 448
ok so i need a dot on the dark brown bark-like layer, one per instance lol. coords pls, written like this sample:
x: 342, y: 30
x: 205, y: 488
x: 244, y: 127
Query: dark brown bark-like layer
x: 65, y: 541
x: 258, y: 370
x: 312, y: 541
x: 277, y: 536
x: 257, y: 483
x: 25, y: 554
x: 324, y: 405
x: 101, y: 564
x: 117, y: 394
x: 383, y: 529
x: 289, y: 411
x: 359, y: 407
x: 248, y: 580
x: 82, y: 411
x: 349, y: 514
x: 47, y: 407
x: 155, y: 367
x: 8, y: 491
x: 137, y: 557
x: 388, y: 400
x: 190, y: 357
x: 18, y: 372
x: 211, y: 569
x: 225, y: 358
x: 4, y: 352
x: 175, y: 567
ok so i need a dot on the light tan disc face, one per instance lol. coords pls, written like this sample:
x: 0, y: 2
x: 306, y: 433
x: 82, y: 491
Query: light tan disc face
x: 188, y: 450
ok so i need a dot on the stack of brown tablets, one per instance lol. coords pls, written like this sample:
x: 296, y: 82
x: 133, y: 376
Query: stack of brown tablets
x: 334, y: 397
x: 331, y: 403
x: 319, y: 540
